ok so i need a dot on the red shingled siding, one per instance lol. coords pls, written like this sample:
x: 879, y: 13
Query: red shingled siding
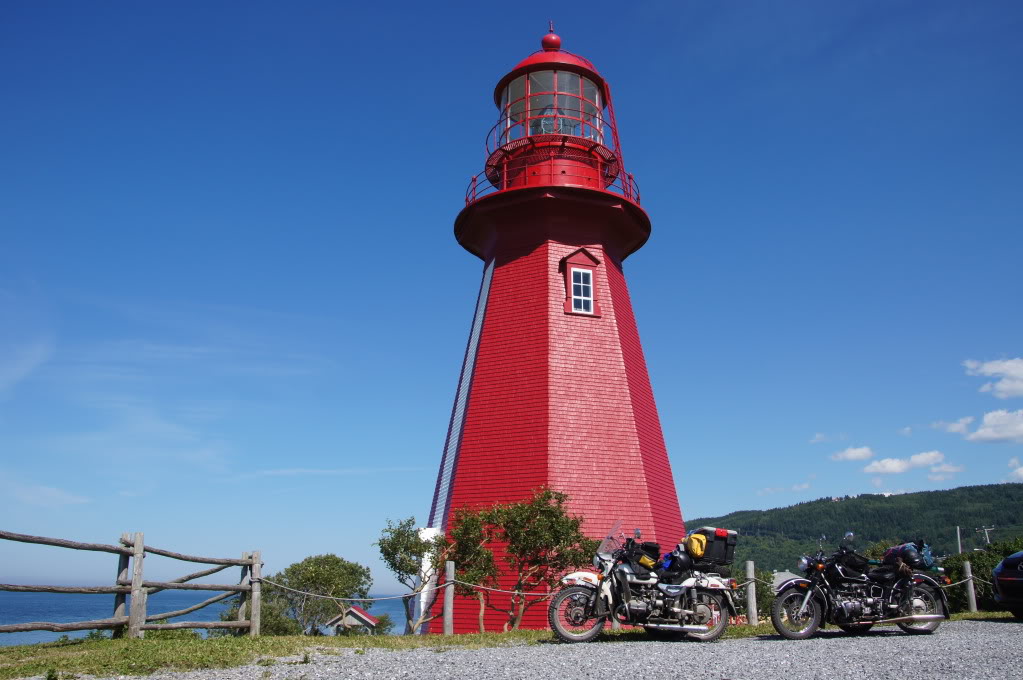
x: 562, y: 400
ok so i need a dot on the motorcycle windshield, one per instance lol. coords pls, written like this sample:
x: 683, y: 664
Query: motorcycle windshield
x: 612, y: 541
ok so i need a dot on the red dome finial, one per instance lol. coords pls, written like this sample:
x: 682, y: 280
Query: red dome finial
x: 551, y: 42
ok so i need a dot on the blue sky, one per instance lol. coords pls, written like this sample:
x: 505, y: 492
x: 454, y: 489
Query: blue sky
x: 232, y: 311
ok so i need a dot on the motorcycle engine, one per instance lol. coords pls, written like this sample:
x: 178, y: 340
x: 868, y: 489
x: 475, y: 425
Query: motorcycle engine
x: 855, y: 604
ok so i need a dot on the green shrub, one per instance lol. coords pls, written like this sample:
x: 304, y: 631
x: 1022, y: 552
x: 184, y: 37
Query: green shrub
x: 982, y: 562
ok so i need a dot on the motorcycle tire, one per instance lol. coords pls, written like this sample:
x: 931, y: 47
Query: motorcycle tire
x: 1017, y: 613
x: 923, y: 601
x: 711, y: 612
x: 570, y: 617
x: 785, y: 619
x: 855, y: 628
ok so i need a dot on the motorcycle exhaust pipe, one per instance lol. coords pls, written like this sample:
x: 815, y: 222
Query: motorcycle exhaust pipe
x: 670, y: 626
x: 915, y: 618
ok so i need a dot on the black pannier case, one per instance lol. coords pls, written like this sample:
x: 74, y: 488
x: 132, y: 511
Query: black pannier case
x: 720, y: 545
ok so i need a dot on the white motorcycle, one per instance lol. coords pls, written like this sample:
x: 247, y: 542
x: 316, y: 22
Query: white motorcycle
x: 668, y: 596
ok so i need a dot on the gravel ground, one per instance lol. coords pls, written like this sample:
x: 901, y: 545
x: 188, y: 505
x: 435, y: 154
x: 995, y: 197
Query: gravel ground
x: 965, y: 650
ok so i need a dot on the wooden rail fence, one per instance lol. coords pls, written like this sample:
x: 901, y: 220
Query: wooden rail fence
x: 131, y: 553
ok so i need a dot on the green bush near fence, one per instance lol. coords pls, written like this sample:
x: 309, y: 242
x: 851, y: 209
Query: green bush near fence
x: 982, y: 562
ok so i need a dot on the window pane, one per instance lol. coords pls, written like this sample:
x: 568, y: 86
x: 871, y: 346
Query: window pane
x: 577, y: 305
x: 586, y: 306
x: 541, y: 81
x: 586, y: 277
x: 577, y: 290
x: 517, y: 89
x: 568, y: 82
x: 577, y: 276
x: 590, y: 90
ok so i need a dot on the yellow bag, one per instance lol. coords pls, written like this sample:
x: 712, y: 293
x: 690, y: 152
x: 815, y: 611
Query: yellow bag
x: 647, y: 561
x: 696, y: 545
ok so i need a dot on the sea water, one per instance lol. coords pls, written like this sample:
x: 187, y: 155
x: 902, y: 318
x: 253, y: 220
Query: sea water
x: 64, y: 608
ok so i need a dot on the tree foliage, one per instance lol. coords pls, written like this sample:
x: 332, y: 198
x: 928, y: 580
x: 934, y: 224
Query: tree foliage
x: 776, y: 538
x: 536, y: 539
x: 327, y: 575
x: 414, y: 561
x: 474, y: 562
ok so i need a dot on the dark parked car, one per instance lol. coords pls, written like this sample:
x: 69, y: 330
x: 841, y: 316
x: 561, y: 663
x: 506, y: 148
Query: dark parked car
x: 1009, y: 583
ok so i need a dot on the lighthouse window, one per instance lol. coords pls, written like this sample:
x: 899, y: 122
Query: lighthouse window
x: 582, y: 291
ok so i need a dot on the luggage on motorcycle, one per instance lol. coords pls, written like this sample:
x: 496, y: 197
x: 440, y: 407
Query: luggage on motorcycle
x: 719, y: 545
x: 696, y: 545
x: 906, y: 553
x: 854, y: 562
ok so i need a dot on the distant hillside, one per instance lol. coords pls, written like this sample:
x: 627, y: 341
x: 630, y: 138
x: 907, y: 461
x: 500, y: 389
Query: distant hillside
x: 776, y: 538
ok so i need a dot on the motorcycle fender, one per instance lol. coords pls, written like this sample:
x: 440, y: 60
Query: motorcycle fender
x: 731, y: 605
x: 924, y: 578
x: 581, y: 578
x: 802, y: 584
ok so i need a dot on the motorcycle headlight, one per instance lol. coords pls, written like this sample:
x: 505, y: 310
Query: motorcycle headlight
x: 803, y: 564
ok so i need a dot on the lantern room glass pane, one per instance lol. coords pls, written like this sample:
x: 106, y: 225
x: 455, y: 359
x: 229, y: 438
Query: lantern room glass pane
x: 568, y: 82
x: 541, y: 81
x: 590, y: 91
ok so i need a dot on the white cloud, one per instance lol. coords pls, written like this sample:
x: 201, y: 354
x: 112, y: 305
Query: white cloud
x: 1000, y: 426
x: 958, y: 427
x: 877, y: 481
x: 926, y: 458
x: 888, y: 466
x: 854, y: 453
x: 333, y: 472
x: 1016, y: 468
x: 906, y: 431
x: 1008, y: 371
x: 895, y: 466
x: 940, y: 473
x: 818, y: 437
x: 801, y: 487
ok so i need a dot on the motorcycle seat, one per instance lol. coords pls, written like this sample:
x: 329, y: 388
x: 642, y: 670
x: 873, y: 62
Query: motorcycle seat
x: 882, y: 574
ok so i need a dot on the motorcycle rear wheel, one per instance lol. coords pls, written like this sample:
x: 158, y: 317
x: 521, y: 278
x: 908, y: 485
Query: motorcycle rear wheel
x: 786, y: 619
x: 711, y: 612
x: 570, y: 616
x: 923, y: 601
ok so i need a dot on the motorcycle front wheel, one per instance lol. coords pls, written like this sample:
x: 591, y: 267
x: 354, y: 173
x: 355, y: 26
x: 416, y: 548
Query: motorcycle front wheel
x: 709, y: 610
x: 570, y: 615
x: 922, y: 600
x: 787, y: 620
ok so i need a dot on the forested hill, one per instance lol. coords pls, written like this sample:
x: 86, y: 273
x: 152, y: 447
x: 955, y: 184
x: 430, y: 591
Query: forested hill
x: 776, y: 538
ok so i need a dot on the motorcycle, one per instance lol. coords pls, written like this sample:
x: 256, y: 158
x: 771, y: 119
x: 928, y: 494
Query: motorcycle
x: 637, y: 586
x: 842, y: 590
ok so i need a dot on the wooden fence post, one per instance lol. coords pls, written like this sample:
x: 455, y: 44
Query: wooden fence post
x: 449, y: 598
x: 122, y: 576
x: 751, y: 594
x: 255, y: 603
x: 971, y: 595
x: 244, y: 581
x: 137, y: 611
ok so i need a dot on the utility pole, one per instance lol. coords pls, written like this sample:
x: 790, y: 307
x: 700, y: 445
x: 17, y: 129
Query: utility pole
x: 986, y: 530
x: 959, y: 540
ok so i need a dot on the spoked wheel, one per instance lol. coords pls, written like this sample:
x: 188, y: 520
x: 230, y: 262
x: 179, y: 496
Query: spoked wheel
x: 571, y: 617
x: 855, y: 628
x: 786, y: 617
x: 922, y: 600
x: 709, y: 610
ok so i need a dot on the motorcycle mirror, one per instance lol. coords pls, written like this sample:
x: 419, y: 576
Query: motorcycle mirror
x: 636, y: 532
x: 848, y: 535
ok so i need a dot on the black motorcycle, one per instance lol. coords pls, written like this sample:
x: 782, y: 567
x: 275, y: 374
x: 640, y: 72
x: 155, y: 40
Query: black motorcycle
x: 843, y: 590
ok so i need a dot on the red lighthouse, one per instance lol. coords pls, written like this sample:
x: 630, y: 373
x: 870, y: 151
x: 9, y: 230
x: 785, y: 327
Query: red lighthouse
x: 554, y: 389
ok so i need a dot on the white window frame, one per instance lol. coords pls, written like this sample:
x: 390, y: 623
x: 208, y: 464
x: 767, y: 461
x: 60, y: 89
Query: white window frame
x: 587, y: 274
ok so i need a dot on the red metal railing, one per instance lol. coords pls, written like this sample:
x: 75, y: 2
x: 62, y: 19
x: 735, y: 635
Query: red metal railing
x: 550, y: 173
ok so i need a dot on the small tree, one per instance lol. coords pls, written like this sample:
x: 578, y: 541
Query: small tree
x: 325, y: 575
x: 474, y: 563
x: 541, y: 542
x: 414, y: 561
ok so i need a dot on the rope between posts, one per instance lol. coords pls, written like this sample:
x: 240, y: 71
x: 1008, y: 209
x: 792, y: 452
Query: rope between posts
x: 397, y: 597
